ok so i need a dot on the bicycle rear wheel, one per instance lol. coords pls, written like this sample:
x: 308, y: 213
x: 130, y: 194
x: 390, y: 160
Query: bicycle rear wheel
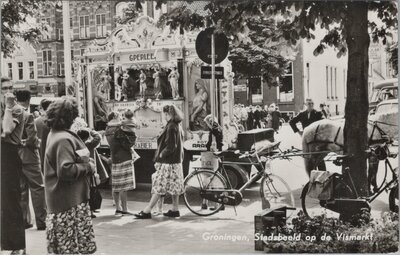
x: 394, y: 199
x: 314, y: 207
x: 276, y: 192
x: 197, y: 182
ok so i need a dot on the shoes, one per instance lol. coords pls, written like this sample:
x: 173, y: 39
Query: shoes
x: 93, y: 216
x: 41, y: 228
x: 118, y: 213
x: 126, y: 213
x: 143, y: 215
x: 172, y: 214
x: 28, y: 226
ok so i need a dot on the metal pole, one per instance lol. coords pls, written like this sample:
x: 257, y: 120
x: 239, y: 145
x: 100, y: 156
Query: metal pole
x: 212, y: 89
x: 67, y: 46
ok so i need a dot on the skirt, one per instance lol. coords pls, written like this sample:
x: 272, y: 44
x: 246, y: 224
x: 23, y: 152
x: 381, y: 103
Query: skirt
x: 122, y: 176
x: 168, y: 178
x: 71, y: 232
x: 12, y: 221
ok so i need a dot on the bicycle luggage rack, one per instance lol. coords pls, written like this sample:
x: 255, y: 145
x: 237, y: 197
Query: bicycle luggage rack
x: 266, y: 223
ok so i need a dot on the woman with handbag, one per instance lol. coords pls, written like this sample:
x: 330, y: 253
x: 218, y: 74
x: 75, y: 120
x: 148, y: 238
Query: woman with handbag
x: 168, y: 177
x: 67, y: 166
x: 122, y: 171
x: 91, y: 139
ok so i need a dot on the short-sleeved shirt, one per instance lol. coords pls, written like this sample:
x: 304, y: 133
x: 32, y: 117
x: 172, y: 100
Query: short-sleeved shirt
x: 18, y: 118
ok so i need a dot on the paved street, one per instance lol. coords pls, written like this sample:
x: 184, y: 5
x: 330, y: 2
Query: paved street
x: 190, y: 233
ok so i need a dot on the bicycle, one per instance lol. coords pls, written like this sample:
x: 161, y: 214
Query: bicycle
x: 345, y: 200
x: 208, y: 191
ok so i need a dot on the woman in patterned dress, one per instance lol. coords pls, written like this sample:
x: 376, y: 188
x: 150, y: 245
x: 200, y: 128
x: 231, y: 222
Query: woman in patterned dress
x: 67, y: 167
x: 168, y: 177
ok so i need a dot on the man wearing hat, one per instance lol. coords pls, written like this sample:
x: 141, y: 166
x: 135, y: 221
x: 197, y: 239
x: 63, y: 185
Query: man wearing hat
x: 306, y: 117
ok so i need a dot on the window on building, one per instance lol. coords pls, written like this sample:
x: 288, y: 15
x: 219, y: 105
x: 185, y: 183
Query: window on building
x: 331, y: 82
x: 71, y: 23
x: 255, y: 86
x: 47, y: 63
x: 84, y: 26
x: 59, y: 34
x: 47, y: 34
x: 336, y: 83
x: 345, y: 83
x: 82, y: 55
x: 286, y: 89
x: 10, y: 72
x: 72, y: 54
x: 308, y: 79
x: 61, y: 71
x: 101, y: 28
x: 327, y: 81
x: 20, y: 71
x: 31, y: 70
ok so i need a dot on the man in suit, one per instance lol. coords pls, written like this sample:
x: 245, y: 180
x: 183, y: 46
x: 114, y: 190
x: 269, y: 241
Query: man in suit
x: 32, y: 175
x: 310, y: 115
x: 42, y: 128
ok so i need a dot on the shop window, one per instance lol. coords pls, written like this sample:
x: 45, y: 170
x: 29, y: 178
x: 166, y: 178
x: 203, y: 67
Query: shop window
x: 286, y: 88
x: 101, y: 28
x: 31, y: 70
x: 47, y: 63
x: 84, y: 26
x: 20, y: 71
x: 10, y: 72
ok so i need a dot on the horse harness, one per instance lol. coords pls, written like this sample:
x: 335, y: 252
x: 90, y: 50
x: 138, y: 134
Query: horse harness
x: 315, y: 140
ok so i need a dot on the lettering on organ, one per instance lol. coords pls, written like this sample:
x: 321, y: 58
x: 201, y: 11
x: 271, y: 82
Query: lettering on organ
x: 142, y: 56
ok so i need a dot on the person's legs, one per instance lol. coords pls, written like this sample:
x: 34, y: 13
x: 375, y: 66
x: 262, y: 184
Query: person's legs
x: 175, y: 203
x: 26, y: 212
x: 152, y: 203
x: 124, y: 197
x: 35, y: 181
x: 116, y: 201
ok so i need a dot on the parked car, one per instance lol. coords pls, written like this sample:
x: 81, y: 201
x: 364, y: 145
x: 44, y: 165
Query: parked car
x: 384, y: 90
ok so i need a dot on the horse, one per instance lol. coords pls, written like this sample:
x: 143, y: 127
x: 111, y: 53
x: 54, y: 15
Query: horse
x: 327, y: 136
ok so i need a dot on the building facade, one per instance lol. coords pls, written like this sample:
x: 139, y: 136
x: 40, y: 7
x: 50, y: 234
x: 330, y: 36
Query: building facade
x: 21, y: 68
x: 89, y: 21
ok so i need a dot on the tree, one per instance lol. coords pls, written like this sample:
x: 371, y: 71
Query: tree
x: 14, y: 23
x: 348, y: 31
x: 261, y: 55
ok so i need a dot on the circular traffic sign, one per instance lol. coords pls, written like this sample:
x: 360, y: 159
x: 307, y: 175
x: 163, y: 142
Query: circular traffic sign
x: 203, y: 46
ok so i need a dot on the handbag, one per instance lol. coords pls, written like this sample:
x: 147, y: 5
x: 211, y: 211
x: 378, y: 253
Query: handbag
x: 101, y: 167
x: 95, y: 196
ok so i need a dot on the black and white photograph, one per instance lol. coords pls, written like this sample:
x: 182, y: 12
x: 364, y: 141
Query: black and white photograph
x: 199, y: 127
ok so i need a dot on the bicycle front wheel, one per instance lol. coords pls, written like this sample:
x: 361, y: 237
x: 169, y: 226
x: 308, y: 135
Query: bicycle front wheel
x: 276, y: 192
x: 198, y: 182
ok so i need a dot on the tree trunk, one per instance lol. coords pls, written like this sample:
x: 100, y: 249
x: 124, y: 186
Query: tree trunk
x: 356, y: 110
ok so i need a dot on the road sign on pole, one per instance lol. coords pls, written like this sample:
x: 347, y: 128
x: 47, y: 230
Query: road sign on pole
x: 203, y: 46
x: 206, y: 72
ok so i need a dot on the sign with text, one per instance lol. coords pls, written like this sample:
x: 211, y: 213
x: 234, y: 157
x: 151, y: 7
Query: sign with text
x: 206, y: 72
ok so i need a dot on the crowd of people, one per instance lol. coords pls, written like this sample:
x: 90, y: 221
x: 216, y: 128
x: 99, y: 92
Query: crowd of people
x: 53, y: 155
x: 252, y: 117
